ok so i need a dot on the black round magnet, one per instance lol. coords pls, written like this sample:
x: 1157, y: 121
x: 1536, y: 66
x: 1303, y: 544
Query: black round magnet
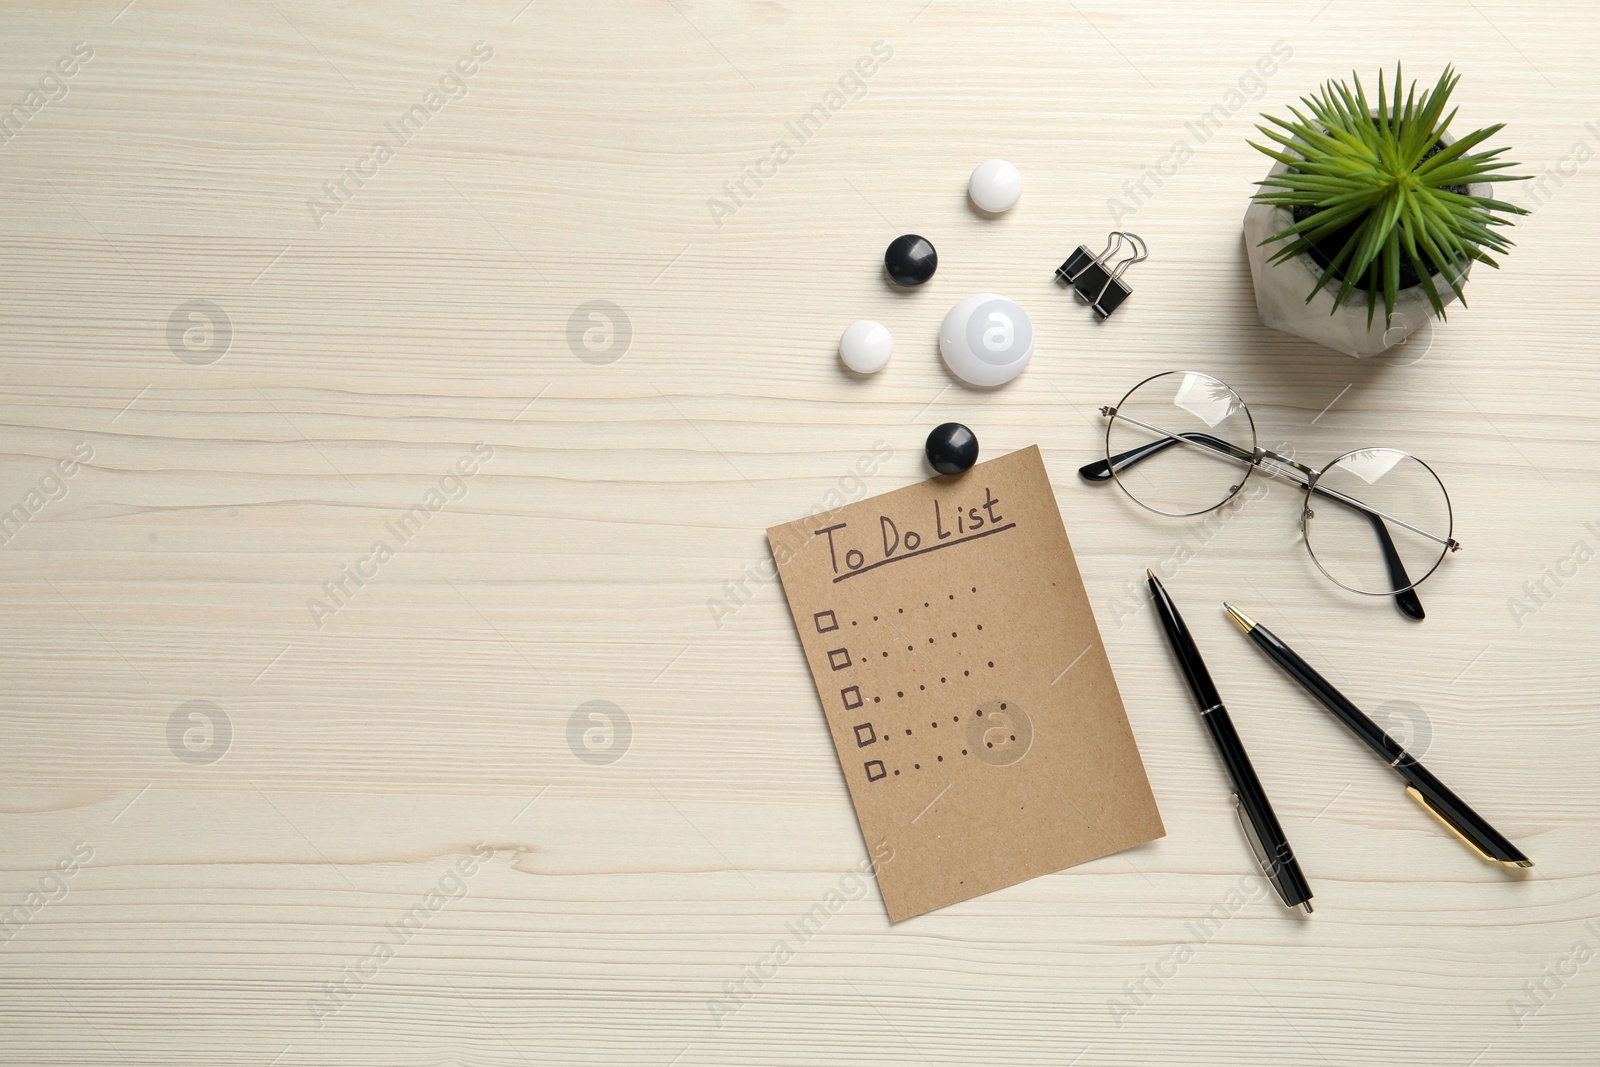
x: 951, y: 448
x: 910, y: 260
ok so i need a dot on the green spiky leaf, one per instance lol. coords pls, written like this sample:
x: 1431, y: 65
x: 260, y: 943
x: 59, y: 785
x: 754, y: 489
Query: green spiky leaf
x: 1367, y: 173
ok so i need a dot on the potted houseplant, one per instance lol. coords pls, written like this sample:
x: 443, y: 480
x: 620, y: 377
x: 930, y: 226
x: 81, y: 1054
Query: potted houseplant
x: 1367, y: 206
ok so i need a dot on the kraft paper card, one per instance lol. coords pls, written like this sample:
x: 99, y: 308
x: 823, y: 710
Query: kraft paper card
x: 962, y: 676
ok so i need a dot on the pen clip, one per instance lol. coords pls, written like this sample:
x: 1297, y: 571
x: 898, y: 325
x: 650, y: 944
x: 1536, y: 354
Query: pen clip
x: 1268, y: 868
x: 1448, y: 824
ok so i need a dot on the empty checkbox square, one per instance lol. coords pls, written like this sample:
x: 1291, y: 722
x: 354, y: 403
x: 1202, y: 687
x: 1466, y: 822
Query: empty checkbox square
x: 852, y: 697
x: 826, y: 621
x: 865, y: 735
x: 838, y: 658
x: 875, y: 770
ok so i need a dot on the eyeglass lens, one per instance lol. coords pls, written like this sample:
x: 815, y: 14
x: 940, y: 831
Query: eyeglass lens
x: 1193, y: 439
x: 1377, y: 520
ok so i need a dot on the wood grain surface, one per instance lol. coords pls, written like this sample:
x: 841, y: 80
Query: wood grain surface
x: 398, y: 829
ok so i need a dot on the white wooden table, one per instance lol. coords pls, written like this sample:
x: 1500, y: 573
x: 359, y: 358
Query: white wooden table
x: 390, y: 834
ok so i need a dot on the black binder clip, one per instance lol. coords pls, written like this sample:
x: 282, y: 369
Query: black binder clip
x: 1096, y: 280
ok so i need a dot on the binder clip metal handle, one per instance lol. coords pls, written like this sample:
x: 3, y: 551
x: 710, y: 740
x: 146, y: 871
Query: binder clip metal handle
x: 1094, y: 278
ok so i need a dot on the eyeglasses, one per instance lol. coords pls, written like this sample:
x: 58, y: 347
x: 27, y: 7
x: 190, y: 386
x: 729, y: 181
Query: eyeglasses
x: 1376, y: 521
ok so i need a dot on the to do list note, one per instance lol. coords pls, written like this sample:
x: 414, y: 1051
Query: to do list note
x: 964, y: 682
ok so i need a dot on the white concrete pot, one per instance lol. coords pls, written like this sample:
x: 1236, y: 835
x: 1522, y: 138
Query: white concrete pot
x: 1281, y: 290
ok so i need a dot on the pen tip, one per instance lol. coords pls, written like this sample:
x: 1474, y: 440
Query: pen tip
x: 1244, y: 622
x: 1150, y: 574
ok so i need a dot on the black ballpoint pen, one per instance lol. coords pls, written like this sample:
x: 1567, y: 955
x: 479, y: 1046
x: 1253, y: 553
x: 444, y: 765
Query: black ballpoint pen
x: 1436, y: 799
x: 1260, y: 825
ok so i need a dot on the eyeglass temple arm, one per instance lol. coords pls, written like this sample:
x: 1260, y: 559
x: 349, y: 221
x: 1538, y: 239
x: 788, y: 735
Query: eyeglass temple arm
x: 1407, y: 601
x: 1101, y: 469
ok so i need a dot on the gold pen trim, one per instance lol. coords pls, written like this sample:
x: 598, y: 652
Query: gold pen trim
x: 1244, y: 622
x: 1444, y: 821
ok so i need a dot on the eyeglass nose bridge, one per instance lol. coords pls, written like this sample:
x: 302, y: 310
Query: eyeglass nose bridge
x: 1309, y: 474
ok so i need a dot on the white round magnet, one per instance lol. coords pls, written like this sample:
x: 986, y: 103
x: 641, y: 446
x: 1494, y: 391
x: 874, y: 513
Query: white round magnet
x: 866, y: 346
x: 986, y: 340
x: 995, y: 185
